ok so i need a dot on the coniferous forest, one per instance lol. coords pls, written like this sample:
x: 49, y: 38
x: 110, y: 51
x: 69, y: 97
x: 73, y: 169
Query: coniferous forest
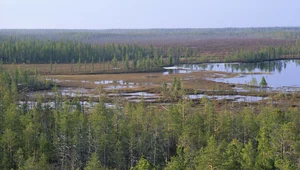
x: 141, y: 136
x: 62, y: 133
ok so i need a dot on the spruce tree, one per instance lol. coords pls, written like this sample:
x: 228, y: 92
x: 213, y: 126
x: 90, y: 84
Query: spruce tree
x: 263, y: 82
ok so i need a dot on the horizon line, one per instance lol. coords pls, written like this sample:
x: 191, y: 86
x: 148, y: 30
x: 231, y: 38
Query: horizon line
x: 149, y: 28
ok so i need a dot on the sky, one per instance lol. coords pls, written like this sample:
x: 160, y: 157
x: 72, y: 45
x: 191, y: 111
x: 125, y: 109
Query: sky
x: 142, y: 14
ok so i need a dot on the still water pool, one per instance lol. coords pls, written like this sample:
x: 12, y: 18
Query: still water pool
x: 281, y: 74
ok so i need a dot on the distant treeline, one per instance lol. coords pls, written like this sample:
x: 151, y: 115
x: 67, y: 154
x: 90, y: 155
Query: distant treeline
x: 267, y: 53
x: 38, y: 51
x: 141, y: 35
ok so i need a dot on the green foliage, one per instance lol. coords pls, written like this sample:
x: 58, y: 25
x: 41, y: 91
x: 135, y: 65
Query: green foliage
x: 176, y: 136
x: 253, y: 82
x: 263, y: 82
x: 232, y: 155
x: 127, y: 62
x: 176, y: 84
x: 164, y: 86
x: 210, y: 156
x: 85, y: 65
x: 65, y: 50
x: 248, y: 156
x: 94, y: 163
x: 61, y: 51
x: 178, y: 162
x: 161, y: 61
x: 79, y: 64
x: 143, y: 164
x: 265, y: 158
x: 51, y: 67
x: 115, y: 61
x: 170, y: 60
x: 93, y: 65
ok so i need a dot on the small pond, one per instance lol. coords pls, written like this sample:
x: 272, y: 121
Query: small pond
x: 67, y: 91
x: 280, y: 74
x: 235, y: 98
x: 85, y: 104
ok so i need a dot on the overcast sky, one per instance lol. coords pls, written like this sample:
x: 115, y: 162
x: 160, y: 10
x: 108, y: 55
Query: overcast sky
x: 106, y: 14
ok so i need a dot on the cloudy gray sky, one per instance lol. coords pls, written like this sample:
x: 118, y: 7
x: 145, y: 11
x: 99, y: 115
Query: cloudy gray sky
x: 105, y: 14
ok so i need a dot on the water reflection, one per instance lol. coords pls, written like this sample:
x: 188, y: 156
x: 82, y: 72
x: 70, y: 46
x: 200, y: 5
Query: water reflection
x: 176, y: 70
x: 267, y: 66
x: 278, y: 74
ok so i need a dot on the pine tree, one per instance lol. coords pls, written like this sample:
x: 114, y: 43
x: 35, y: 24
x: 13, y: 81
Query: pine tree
x: 127, y: 62
x: 93, y: 67
x: 178, y: 162
x: 210, y: 156
x: 115, y: 61
x: 232, y: 155
x: 264, y: 159
x: 79, y: 64
x: 94, y: 163
x: 143, y: 164
x: 170, y: 60
x: 263, y: 82
x: 248, y: 156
